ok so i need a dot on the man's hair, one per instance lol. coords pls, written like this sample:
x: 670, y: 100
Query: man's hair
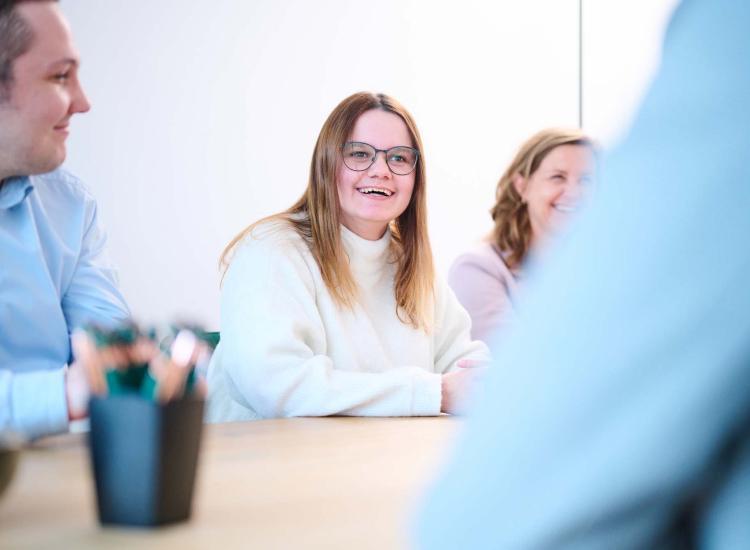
x: 16, y: 37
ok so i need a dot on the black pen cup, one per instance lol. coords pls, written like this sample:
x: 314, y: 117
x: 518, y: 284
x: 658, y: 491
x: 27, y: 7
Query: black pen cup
x: 145, y: 456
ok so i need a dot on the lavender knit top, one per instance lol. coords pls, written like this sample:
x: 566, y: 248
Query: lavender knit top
x: 486, y: 288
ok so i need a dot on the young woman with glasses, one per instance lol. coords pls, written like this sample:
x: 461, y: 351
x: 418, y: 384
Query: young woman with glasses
x: 331, y: 307
x: 536, y: 195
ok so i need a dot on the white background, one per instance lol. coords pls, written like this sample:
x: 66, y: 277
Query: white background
x: 205, y: 114
x: 621, y: 50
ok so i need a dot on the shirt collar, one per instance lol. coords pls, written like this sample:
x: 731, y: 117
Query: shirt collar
x: 14, y: 190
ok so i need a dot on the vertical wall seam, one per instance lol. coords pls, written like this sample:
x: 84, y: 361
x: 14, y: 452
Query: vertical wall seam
x: 580, y: 63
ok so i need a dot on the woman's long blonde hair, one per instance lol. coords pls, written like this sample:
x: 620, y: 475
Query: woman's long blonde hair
x: 315, y: 217
x: 512, y: 231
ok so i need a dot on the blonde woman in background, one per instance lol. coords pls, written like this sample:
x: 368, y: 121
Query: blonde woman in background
x: 332, y: 307
x: 536, y: 195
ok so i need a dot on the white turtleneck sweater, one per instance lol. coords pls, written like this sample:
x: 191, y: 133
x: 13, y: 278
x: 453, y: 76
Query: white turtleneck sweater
x: 288, y: 349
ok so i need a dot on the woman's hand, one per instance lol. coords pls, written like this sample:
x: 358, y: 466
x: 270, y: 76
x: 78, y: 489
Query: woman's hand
x: 458, y: 384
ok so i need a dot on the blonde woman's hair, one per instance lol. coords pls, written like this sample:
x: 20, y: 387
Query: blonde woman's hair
x: 512, y: 231
x: 315, y: 217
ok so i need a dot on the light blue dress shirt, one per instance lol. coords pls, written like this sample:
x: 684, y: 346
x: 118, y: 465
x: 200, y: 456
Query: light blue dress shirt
x: 54, y: 276
x: 617, y: 413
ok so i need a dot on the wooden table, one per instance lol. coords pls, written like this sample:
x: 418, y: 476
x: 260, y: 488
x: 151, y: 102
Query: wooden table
x: 294, y: 483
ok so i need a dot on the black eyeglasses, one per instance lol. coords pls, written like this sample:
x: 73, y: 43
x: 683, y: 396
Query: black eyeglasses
x: 360, y: 156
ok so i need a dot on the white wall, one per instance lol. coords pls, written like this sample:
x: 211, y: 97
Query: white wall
x: 621, y: 51
x: 205, y: 115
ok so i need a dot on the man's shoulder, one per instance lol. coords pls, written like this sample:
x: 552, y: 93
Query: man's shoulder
x: 62, y: 185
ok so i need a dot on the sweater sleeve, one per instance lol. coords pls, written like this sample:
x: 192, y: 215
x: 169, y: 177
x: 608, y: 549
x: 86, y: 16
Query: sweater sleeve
x: 453, y: 339
x: 274, y: 342
x: 483, y: 292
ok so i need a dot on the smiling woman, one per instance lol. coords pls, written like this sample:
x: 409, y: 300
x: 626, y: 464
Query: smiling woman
x: 374, y: 190
x: 332, y: 306
x: 537, y: 193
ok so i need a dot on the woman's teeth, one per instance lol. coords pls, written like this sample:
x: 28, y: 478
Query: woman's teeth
x: 566, y: 208
x: 375, y: 190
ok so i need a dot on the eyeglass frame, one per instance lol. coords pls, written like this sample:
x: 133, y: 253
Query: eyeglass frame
x: 385, y: 152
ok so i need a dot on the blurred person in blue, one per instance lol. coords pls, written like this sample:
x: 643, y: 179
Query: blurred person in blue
x: 54, y: 273
x: 618, y: 414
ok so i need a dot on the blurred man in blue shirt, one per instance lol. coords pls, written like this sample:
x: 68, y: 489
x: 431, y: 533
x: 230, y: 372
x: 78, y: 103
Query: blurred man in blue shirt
x: 54, y: 274
x: 617, y: 415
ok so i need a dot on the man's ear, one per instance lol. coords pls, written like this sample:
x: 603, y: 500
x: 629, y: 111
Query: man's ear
x: 519, y: 183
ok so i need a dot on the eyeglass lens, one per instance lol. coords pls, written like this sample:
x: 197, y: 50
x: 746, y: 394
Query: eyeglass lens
x: 360, y: 156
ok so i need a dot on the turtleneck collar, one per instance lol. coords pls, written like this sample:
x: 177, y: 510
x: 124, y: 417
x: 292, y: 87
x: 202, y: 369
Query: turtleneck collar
x: 365, y: 256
